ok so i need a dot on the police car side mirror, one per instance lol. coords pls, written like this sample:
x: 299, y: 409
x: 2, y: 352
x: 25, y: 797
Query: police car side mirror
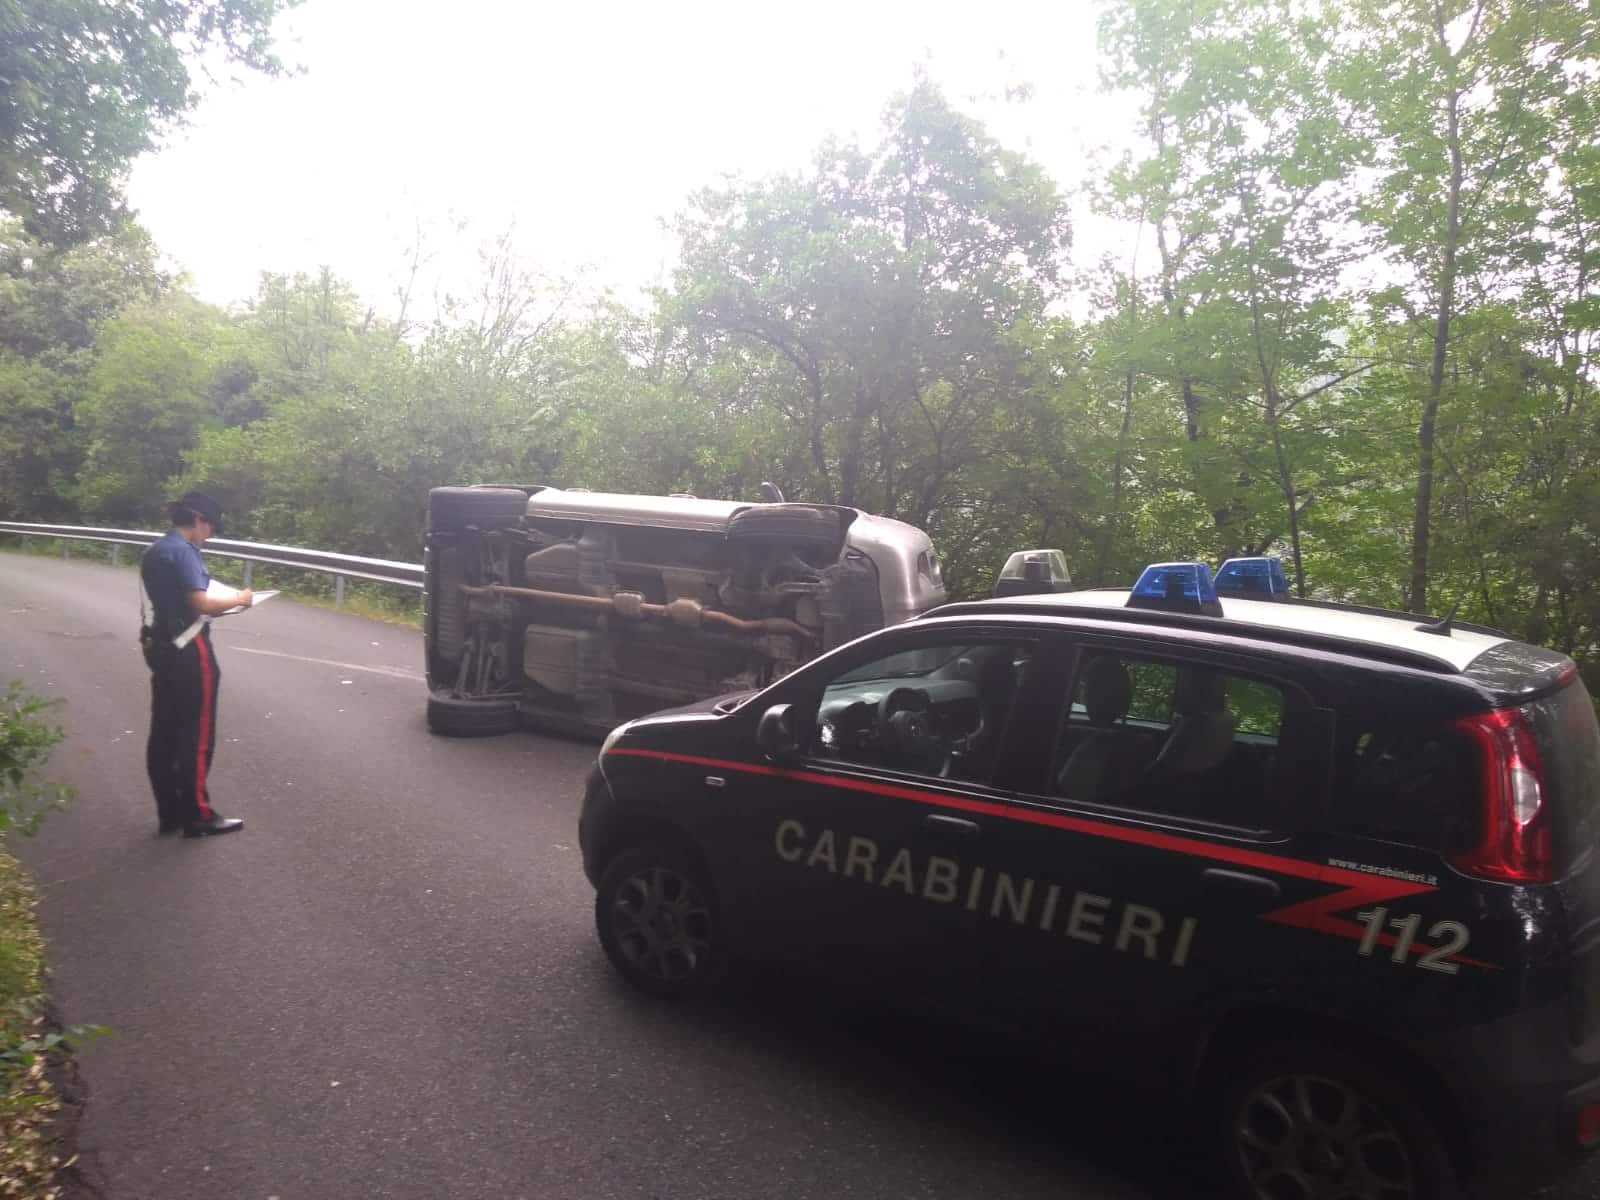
x: 775, y: 734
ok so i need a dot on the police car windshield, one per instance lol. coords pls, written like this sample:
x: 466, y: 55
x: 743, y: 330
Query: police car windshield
x: 908, y: 664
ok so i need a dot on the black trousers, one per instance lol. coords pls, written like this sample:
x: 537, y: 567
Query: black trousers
x: 183, y: 729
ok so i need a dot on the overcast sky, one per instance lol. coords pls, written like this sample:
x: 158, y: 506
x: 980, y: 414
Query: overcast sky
x: 584, y: 125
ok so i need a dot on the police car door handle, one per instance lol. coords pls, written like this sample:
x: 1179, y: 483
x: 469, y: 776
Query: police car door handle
x: 1242, y: 884
x: 959, y: 825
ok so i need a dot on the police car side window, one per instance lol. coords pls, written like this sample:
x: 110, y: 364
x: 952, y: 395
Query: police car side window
x: 937, y: 710
x: 1169, y: 736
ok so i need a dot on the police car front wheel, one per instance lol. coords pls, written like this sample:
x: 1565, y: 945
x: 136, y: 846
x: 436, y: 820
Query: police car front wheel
x: 656, y: 918
x: 1303, y: 1122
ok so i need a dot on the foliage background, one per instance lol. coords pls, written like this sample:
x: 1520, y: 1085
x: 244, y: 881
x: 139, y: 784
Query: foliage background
x: 1359, y: 331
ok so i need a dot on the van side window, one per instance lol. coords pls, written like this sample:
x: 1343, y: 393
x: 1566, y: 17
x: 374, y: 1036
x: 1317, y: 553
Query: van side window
x: 1409, y: 782
x: 1166, y: 736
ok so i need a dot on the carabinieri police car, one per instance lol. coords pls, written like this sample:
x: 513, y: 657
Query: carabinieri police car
x: 1328, y: 871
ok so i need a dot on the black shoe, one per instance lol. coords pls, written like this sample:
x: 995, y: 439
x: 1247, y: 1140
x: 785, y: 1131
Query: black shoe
x: 217, y: 824
x: 170, y: 827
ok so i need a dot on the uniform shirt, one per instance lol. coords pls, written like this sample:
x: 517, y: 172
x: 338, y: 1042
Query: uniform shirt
x: 171, y: 569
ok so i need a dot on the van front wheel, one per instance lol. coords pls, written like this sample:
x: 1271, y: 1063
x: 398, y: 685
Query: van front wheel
x: 451, y: 716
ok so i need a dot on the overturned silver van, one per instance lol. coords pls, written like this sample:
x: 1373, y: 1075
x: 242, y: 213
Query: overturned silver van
x: 576, y: 610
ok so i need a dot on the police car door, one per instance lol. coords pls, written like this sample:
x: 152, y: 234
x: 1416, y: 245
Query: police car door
x: 1148, y: 849
x: 864, y: 853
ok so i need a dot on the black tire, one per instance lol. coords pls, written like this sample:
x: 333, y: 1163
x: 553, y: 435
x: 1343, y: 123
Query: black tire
x: 656, y: 915
x: 450, y: 716
x: 1299, y: 1115
x: 453, y: 509
x: 804, y: 523
x: 448, y: 607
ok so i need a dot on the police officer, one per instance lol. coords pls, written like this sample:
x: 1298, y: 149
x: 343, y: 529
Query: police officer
x: 184, y: 675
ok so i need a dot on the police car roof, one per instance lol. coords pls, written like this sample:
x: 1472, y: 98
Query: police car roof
x: 1389, y: 634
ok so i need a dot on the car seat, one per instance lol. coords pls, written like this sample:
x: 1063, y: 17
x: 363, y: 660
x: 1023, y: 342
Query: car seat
x: 1201, y: 736
x: 997, y: 686
x: 1105, y: 762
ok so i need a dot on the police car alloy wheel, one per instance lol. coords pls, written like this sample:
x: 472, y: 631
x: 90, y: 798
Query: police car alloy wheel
x: 1306, y: 1122
x: 657, y: 922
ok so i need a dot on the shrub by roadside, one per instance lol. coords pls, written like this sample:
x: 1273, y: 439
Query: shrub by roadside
x: 30, y: 1160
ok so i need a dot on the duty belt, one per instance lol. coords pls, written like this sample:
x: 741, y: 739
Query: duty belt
x: 188, y: 635
x: 180, y: 635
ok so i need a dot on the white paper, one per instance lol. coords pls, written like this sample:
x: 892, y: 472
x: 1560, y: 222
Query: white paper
x: 221, y: 591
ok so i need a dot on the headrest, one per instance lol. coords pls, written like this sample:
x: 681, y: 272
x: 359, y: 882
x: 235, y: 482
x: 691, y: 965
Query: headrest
x: 1198, y: 692
x: 1107, y: 691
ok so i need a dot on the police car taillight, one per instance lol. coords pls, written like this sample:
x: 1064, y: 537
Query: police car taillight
x: 1259, y: 578
x: 1176, y: 587
x: 1589, y: 1125
x: 1515, y: 846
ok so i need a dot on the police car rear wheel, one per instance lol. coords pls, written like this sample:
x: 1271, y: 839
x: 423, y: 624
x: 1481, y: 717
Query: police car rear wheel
x: 657, y: 922
x: 1306, y: 1122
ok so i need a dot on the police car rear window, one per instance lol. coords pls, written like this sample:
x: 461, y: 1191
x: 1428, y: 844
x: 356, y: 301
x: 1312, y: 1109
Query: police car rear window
x: 1569, y: 753
x: 1412, y: 782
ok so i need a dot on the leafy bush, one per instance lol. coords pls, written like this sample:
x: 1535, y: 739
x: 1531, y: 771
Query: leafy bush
x: 26, y: 740
x: 30, y: 1158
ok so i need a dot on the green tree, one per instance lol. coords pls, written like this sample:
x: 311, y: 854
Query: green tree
x: 1242, y: 178
x: 145, y: 406
x: 53, y: 305
x: 1458, y: 93
x: 38, y: 454
x: 87, y: 86
x: 870, y: 302
x: 350, y: 425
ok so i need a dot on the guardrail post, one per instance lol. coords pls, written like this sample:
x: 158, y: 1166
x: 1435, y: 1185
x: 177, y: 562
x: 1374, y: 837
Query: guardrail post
x: 116, y: 554
x: 338, y: 591
x: 66, y: 548
x: 248, y: 564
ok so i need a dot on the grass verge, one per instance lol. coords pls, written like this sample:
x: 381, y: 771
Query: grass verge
x: 30, y: 1158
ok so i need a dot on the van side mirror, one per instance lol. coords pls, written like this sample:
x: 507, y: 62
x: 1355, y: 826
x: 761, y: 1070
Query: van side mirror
x: 775, y: 734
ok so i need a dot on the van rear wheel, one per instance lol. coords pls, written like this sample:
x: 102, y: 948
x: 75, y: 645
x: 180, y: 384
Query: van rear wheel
x: 454, y: 509
x: 803, y: 523
x: 1302, y: 1121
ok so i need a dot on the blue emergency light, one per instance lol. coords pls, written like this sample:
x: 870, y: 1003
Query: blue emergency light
x: 1176, y: 587
x: 1259, y: 578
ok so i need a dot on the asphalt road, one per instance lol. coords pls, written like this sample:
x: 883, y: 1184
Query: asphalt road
x: 388, y: 984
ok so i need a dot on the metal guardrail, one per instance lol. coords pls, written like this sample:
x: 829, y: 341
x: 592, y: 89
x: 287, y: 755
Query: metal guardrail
x: 340, y: 566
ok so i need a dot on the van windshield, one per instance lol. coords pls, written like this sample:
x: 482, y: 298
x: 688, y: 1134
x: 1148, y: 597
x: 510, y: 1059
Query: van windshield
x: 1569, y: 752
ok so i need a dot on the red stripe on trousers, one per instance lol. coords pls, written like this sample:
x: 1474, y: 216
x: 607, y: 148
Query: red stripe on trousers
x: 208, y: 701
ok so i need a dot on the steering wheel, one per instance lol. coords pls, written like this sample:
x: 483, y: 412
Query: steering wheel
x: 908, y: 735
x: 845, y: 731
